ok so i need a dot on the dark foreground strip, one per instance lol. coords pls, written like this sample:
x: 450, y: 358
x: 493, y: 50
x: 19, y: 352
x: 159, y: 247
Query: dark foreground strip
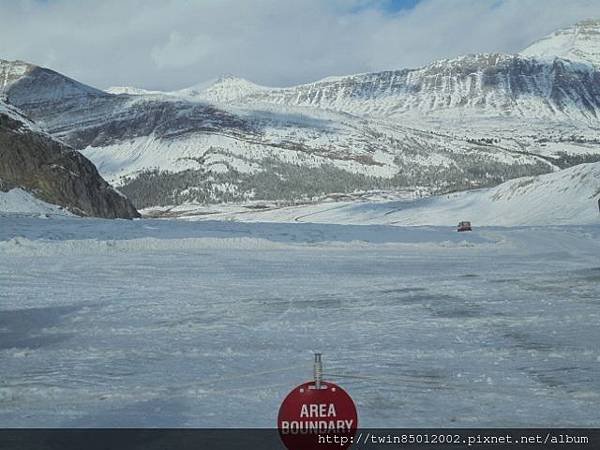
x: 257, y: 439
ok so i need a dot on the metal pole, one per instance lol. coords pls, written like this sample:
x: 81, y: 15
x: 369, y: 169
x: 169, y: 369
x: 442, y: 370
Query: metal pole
x: 318, y: 371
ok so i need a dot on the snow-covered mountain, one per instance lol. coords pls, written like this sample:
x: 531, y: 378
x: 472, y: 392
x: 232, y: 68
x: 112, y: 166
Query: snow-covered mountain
x: 579, y: 42
x: 33, y: 86
x: 473, y: 86
x: 462, y: 123
x: 225, y: 89
x: 164, y: 149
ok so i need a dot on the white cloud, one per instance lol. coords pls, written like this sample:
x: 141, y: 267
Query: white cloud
x: 169, y: 44
x: 181, y: 52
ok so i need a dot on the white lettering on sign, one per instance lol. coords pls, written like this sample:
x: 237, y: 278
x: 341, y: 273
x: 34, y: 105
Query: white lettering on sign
x: 318, y: 426
x: 318, y: 410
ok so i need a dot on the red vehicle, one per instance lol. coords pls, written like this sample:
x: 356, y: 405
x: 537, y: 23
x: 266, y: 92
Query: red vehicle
x: 464, y: 226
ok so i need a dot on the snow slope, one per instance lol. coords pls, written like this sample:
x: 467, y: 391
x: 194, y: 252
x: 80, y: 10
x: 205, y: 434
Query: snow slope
x: 22, y: 202
x: 579, y: 42
x: 568, y: 196
x: 274, y: 139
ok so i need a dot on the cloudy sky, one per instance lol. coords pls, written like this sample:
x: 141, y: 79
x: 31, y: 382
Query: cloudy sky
x: 171, y: 44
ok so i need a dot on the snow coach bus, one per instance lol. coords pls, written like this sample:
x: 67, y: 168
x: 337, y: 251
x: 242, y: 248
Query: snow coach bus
x: 464, y: 226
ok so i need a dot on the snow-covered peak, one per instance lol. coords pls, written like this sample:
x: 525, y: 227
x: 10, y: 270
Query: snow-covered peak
x: 579, y: 42
x: 26, y: 84
x: 224, y: 89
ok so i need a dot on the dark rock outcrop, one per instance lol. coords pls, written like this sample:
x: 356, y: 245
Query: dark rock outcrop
x: 54, y: 172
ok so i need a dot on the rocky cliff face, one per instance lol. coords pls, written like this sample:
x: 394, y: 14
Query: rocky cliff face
x: 53, y: 172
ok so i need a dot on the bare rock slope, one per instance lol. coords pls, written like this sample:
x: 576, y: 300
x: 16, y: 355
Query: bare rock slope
x: 55, y: 173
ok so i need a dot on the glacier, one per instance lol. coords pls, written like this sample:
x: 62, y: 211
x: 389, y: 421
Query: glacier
x: 175, y: 323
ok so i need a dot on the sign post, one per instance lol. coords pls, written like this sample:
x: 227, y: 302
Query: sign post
x: 317, y: 415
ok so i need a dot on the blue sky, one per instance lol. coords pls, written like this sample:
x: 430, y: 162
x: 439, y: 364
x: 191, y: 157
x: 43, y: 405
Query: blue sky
x: 397, y: 5
x: 171, y: 44
x: 388, y: 5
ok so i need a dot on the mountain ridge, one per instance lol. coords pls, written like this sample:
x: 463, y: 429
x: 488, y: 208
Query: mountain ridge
x: 458, y: 123
x: 474, y: 86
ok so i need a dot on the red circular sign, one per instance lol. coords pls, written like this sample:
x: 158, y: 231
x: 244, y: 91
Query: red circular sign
x: 311, y: 418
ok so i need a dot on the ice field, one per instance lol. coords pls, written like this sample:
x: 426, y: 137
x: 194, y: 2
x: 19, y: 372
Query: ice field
x: 175, y: 323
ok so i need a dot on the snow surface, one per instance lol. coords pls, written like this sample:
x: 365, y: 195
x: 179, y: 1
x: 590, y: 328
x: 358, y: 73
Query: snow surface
x: 18, y: 201
x: 174, y: 323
